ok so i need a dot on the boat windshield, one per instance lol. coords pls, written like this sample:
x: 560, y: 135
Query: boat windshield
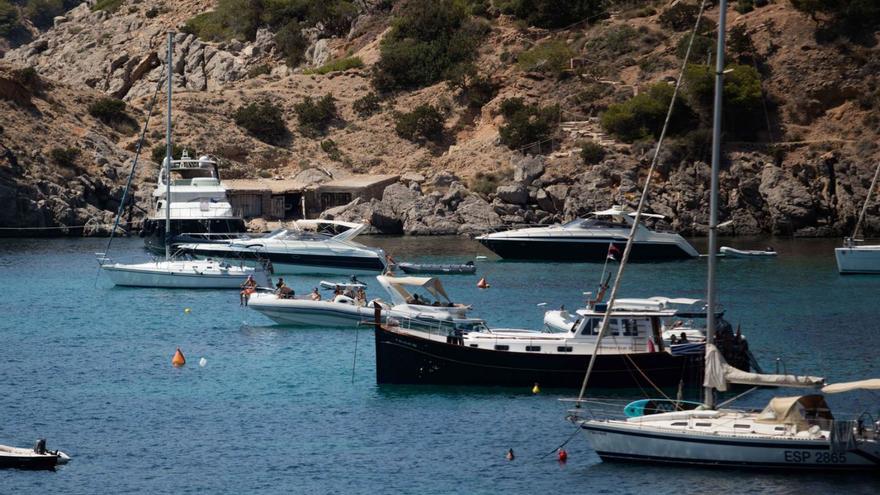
x: 597, y: 223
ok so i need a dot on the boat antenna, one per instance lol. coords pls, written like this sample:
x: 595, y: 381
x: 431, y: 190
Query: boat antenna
x: 867, y: 202
x: 711, y: 295
x: 638, y: 213
x: 168, y: 149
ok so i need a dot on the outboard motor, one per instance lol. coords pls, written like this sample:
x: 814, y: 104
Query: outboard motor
x: 40, y: 446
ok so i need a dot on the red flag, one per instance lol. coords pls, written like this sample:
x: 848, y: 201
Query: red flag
x: 613, y: 252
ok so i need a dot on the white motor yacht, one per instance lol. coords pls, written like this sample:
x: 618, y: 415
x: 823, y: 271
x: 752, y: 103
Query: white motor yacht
x: 590, y: 240
x: 421, y: 301
x: 199, y: 206
x: 301, y: 249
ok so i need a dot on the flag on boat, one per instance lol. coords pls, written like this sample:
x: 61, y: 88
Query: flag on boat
x: 613, y: 252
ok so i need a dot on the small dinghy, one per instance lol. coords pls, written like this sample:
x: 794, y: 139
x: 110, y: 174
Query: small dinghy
x: 730, y: 252
x: 468, y: 268
x: 35, y: 458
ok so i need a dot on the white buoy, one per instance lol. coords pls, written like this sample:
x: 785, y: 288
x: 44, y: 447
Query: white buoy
x: 482, y: 257
x: 542, y: 304
x: 203, y: 362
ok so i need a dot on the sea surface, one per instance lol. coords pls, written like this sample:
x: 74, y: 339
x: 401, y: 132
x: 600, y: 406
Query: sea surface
x: 291, y: 410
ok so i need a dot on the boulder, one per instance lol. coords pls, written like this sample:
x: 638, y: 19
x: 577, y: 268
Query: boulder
x: 789, y: 202
x: 311, y: 176
x: 456, y: 193
x: 399, y: 198
x: 527, y: 168
x: 412, y: 177
x: 514, y: 193
x: 444, y: 179
x: 477, y: 216
x: 319, y: 53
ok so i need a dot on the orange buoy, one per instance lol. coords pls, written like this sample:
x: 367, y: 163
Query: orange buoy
x: 178, y: 359
x: 482, y: 284
x: 563, y: 455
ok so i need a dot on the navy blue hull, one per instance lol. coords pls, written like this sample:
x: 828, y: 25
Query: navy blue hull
x: 36, y: 462
x: 588, y: 249
x: 408, y: 359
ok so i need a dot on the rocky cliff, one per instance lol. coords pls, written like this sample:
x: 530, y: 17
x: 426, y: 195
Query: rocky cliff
x: 805, y: 173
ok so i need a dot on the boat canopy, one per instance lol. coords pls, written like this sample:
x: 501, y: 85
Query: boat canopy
x: 719, y: 374
x: 836, y: 388
x: 795, y: 410
x: 620, y: 211
x: 399, y: 287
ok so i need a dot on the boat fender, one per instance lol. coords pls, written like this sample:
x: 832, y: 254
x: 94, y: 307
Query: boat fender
x: 563, y: 455
x: 536, y: 389
x: 40, y: 446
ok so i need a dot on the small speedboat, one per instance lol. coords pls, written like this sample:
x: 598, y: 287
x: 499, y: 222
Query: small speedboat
x: 468, y: 268
x: 181, y: 273
x: 36, y: 458
x: 730, y: 252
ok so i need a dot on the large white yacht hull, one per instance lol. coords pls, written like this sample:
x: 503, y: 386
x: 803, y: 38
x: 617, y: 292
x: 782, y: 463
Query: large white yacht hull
x: 618, y: 441
x: 181, y: 275
x: 858, y: 259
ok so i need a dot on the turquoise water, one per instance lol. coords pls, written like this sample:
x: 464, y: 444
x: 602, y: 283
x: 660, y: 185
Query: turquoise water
x: 276, y: 409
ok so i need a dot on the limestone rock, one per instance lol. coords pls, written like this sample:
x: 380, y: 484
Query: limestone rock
x: 399, y: 198
x: 477, y: 216
x: 515, y: 193
x: 527, y: 168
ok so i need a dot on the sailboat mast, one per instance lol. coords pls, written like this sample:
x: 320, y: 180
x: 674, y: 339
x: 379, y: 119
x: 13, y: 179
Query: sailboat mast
x: 867, y: 202
x: 711, y: 301
x: 168, y: 151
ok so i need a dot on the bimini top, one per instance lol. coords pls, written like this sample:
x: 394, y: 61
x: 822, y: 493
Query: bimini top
x: 836, y: 388
x: 399, y: 287
x: 795, y: 410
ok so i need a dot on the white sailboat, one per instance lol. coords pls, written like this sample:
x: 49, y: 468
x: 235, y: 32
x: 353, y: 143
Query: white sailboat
x: 855, y: 257
x: 791, y: 432
x: 177, y: 272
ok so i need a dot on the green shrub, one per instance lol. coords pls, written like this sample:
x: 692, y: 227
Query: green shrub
x: 680, y: 17
x: 107, y: 5
x: 29, y: 78
x: 152, y: 12
x: 8, y: 19
x: 427, y: 41
x: 479, y: 91
x: 643, y: 115
x: 367, y: 105
x: 554, y: 13
x: 484, y: 183
x: 314, y: 116
x: 64, y: 157
x: 425, y: 122
x: 208, y: 27
x: 740, y: 43
x: 157, y: 152
x: 592, y: 152
x: 526, y: 124
x: 329, y: 147
x: 42, y: 12
x: 109, y: 110
x: 745, y: 6
x: 743, y: 98
x: 855, y: 19
x: 291, y: 43
x: 615, y: 42
x: 338, y: 65
x: 262, y: 120
x: 703, y: 46
x: 551, y: 56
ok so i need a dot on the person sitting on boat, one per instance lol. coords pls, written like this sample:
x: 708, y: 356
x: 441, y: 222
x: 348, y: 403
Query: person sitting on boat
x: 285, y: 292
x: 673, y: 340
x: 683, y: 338
x: 315, y: 296
x: 361, y: 296
x: 247, y: 288
x: 280, y: 283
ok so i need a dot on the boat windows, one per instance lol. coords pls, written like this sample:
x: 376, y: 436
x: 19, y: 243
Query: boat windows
x: 502, y: 347
x: 630, y: 327
x: 680, y: 423
x: 593, y: 326
x: 533, y: 348
x: 564, y: 348
x: 703, y: 425
x: 474, y: 345
x: 742, y: 426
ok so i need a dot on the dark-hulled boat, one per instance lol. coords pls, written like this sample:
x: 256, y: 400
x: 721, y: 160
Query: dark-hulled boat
x: 506, y: 357
x: 35, y: 459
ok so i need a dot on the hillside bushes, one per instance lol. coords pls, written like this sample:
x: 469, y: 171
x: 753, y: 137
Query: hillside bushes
x: 554, y: 13
x: 642, y: 116
x: 855, y: 19
x: 109, y: 110
x: 743, y: 105
x: 424, y: 123
x: 263, y: 120
x: 64, y: 157
x: 9, y: 22
x: 338, y: 65
x: 551, y: 57
x: 367, y: 105
x: 526, y: 124
x: 315, y: 116
x: 427, y: 42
